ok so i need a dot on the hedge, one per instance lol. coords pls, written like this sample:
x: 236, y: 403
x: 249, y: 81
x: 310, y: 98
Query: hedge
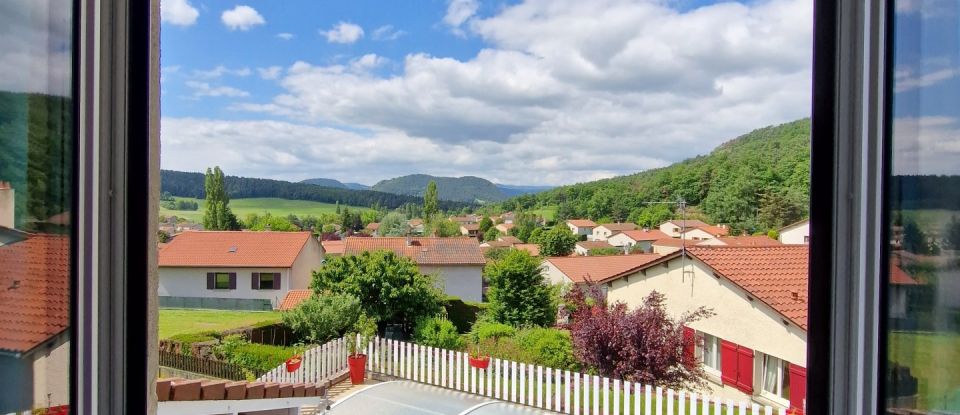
x: 463, y: 313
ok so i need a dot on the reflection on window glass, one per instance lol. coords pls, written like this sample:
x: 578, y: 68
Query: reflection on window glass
x: 923, y: 289
x: 35, y: 198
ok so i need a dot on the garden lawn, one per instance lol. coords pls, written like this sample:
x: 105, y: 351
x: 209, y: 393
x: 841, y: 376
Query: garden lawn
x: 275, y: 206
x: 548, y: 213
x: 933, y: 360
x: 175, y: 321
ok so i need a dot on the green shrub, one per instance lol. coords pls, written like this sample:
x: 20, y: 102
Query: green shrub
x: 258, y: 358
x: 437, y: 332
x: 323, y: 317
x: 484, y: 330
x: 463, y: 314
x: 190, y: 338
x: 548, y: 347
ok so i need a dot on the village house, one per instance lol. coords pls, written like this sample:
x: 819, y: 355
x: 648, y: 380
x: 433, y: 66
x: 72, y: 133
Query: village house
x: 372, y: 228
x: 34, y: 335
x: 457, y: 262
x: 606, y: 230
x: 796, y: 233
x: 466, y: 219
x: 416, y: 226
x: 667, y: 246
x: 236, y: 269
x: 584, y: 247
x: 754, y: 347
x: 693, y: 229
x: 581, y: 227
x: 592, y: 269
x: 470, y: 229
x: 504, y: 228
x: 332, y: 248
x: 743, y: 240
x: 507, y: 217
x: 641, y: 240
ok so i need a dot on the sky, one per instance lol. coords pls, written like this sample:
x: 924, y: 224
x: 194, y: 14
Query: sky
x: 532, y: 92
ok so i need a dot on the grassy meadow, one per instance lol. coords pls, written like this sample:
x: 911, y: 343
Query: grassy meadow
x: 276, y: 207
x: 933, y: 360
x: 175, y: 321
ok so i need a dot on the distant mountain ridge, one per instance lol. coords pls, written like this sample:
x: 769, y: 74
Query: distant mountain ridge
x: 469, y: 189
x: 335, y: 183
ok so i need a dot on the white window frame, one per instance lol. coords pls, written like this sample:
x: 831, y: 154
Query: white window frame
x: 783, y: 378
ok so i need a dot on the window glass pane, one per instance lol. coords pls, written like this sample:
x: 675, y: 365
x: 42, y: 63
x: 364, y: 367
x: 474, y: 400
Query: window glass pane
x: 923, y: 283
x: 771, y: 370
x: 223, y: 281
x: 36, y: 166
x: 267, y: 281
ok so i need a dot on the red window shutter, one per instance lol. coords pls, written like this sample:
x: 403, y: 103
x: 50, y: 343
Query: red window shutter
x: 689, y: 343
x: 728, y: 362
x: 798, y: 386
x: 255, y: 281
x: 745, y: 369
x: 233, y: 280
x: 211, y: 281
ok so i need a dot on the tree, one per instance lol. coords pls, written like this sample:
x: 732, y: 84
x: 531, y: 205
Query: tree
x: 914, y: 240
x: 393, y: 224
x: 951, y: 237
x: 558, y: 241
x: 430, y: 201
x: 218, y: 215
x: 323, y: 317
x: 491, y: 234
x: 518, y: 293
x: 485, y: 224
x: 390, y: 288
x: 267, y: 221
x: 644, y: 345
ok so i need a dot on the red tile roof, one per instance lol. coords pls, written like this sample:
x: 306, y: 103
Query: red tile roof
x: 294, y: 298
x: 234, y: 249
x: 471, y: 226
x: 34, y: 291
x: 674, y: 242
x: 899, y: 277
x: 746, y: 240
x: 415, y: 222
x: 637, y: 235
x: 332, y: 247
x: 714, y: 230
x: 510, y: 239
x: 373, y: 226
x: 424, y: 251
x: 580, y: 269
x: 776, y: 275
x: 533, y: 249
x: 619, y: 226
x: 588, y: 245
x: 582, y: 223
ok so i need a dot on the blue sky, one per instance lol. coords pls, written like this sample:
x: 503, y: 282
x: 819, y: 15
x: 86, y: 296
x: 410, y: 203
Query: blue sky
x: 520, y: 92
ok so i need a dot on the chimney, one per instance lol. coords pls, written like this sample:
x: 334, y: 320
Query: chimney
x: 6, y: 205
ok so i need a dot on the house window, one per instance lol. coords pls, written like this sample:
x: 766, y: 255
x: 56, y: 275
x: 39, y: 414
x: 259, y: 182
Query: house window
x: 708, y: 352
x: 222, y: 281
x: 265, y: 281
x: 776, y: 379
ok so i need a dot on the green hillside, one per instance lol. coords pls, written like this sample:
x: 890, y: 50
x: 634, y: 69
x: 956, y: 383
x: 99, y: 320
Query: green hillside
x: 468, y: 189
x: 756, y: 182
x: 274, y: 206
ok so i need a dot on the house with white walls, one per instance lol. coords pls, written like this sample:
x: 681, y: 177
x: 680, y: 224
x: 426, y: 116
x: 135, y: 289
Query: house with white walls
x: 693, y: 229
x: 604, y: 231
x: 581, y: 227
x: 584, y: 247
x: 457, y: 262
x: 592, y: 269
x: 796, y: 233
x: 236, y: 269
x: 754, y: 347
x: 637, y: 240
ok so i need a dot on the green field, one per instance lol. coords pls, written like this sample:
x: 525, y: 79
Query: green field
x: 934, y: 359
x: 276, y: 207
x: 930, y: 219
x: 175, y: 321
x: 548, y: 212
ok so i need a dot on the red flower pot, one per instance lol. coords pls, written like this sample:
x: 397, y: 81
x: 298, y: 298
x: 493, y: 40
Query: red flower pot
x: 481, y: 362
x: 358, y: 368
x: 293, y: 363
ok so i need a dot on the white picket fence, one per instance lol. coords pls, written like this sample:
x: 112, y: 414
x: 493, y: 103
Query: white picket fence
x: 319, y: 365
x: 541, y: 387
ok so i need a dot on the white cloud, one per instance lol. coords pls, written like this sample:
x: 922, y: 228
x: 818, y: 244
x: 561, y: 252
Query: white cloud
x: 272, y: 72
x: 565, y: 91
x: 242, y: 18
x: 30, y: 62
x: 387, y: 32
x: 927, y: 8
x: 905, y: 79
x: 926, y: 145
x: 285, y: 36
x: 178, y: 12
x: 343, y: 32
x: 203, y: 89
x: 458, y: 12
x: 219, y: 71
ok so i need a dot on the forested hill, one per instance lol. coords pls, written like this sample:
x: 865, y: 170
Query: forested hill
x: 463, y: 189
x: 186, y: 184
x: 756, y: 182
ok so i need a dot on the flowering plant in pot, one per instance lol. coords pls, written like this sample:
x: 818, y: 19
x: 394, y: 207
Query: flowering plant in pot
x: 363, y: 330
x: 480, y: 357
